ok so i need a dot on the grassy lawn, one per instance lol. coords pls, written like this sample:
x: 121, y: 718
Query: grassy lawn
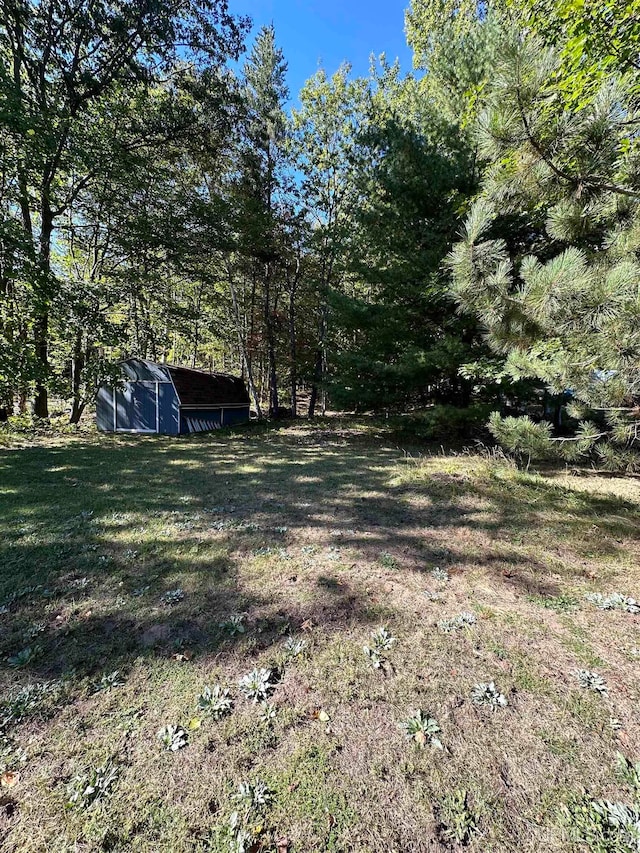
x: 187, y: 563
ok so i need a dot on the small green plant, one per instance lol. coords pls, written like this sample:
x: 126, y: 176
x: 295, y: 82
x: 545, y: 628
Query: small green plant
x: 25, y: 656
x: 234, y: 624
x: 173, y: 738
x: 458, y: 821
x: 252, y: 799
x: 592, y: 681
x: 488, y: 694
x: 615, y: 601
x: 439, y: 574
x: 628, y: 771
x: 603, y: 826
x: 17, y: 594
x: 172, y: 596
x: 561, y: 603
x: 86, y: 790
x: 108, y: 682
x: 388, y: 560
x: 268, y: 712
x: 257, y: 684
x: 12, y: 755
x: 215, y: 701
x: 293, y: 647
x: 381, y: 642
x: 254, y: 795
x: 422, y: 729
x: 465, y: 619
x: 33, y: 631
x: 27, y: 701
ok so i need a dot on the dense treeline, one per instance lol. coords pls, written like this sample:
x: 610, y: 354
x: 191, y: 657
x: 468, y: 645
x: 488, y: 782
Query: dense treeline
x: 466, y: 233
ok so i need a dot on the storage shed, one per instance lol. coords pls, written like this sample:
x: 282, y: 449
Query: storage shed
x: 168, y: 400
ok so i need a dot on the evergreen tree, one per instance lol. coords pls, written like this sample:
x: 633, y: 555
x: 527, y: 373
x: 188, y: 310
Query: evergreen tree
x: 400, y: 342
x: 549, y: 255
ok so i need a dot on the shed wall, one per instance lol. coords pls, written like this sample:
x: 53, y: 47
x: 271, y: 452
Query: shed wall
x: 104, y: 409
x: 235, y: 416
x: 168, y: 409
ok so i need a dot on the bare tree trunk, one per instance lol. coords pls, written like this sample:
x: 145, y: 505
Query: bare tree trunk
x: 243, y: 349
x: 319, y: 365
x: 272, y: 374
x: 77, y: 366
x: 293, y: 379
x: 41, y: 325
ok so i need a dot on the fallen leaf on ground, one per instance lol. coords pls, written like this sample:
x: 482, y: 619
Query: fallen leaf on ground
x: 9, y: 778
x: 194, y: 723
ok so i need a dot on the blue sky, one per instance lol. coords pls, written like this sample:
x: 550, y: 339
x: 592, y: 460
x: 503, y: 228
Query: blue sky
x: 327, y: 32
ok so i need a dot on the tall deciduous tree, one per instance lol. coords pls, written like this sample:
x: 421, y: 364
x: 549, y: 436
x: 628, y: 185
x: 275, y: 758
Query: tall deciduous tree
x: 325, y: 128
x: 67, y: 62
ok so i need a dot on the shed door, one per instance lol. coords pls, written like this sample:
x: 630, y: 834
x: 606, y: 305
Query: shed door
x: 136, y: 407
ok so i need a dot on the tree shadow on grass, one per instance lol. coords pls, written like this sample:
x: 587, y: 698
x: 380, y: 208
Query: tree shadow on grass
x: 103, y: 529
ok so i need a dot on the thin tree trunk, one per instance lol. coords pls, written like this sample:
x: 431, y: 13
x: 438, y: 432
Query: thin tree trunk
x: 41, y: 325
x: 77, y: 366
x: 318, y: 369
x: 272, y: 374
x: 292, y: 342
x: 243, y: 349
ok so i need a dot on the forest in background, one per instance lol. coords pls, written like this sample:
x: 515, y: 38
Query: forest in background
x: 466, y: 234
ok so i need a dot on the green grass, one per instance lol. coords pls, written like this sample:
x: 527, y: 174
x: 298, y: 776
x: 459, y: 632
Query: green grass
x: 323, y: 533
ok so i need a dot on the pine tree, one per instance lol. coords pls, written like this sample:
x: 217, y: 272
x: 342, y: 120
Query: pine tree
x: 549, y: 257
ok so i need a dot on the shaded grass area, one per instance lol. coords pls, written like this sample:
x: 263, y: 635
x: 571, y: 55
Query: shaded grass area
x: 323, y: 533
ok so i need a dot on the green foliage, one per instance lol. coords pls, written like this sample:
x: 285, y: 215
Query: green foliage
x: 381, y: 642
x: 108, y: 681
x: 28, y: 701
x: 257, y: 684
x: 629, y: 771
x: 603, y: 826
x: 614, y: 601
x: 458, y: 820
x: 294, y: 647
x: 422, y: 730
x: 84, y: 791
x: 215, y: 701
x: 234, y: 624
x: 252, y: 799
x: 463, y: 620
x: 592, y: 681
x: 444, y: 422
x: 521, y: 437
x: 563, y: 603
x: 547, y: 259
x: 25, y: 656
x: 488, y: 694
x: 173, y: 737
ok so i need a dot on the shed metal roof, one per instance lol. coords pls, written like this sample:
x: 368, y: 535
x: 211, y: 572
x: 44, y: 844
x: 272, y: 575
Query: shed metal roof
x: 195, y: 388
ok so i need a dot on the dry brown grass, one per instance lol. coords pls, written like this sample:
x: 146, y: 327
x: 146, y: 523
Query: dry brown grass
x: 365, y: 526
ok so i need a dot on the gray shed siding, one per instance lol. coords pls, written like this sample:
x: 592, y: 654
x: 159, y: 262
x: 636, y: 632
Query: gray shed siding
x: 104, y: 409
x: 140, y: 406
x: 156, y: 398
x: 169, y: 409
